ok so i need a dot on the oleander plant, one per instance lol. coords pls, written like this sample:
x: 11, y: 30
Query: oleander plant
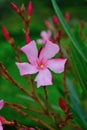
x: 50, y: 75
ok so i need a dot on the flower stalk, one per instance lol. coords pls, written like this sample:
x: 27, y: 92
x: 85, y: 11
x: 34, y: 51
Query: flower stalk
x: 46, y: 99
x: 31, y: 117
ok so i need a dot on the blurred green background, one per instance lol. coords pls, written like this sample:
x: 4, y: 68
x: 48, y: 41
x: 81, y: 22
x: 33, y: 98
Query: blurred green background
x: 42, y: 10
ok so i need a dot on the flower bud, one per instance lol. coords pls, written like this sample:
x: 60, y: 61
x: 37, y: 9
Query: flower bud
x: 30, y: 9
x: 55, y: 20
x: 62, y: 104
x: 14, y: 7
x: 55, y: 39
x: 47, y: 24
x: 67, y: 16
x: 59, y: 33
x: 6, y: 33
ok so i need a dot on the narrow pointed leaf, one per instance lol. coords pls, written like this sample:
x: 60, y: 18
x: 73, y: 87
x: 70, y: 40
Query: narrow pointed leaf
x: 67, y: 29
x: 76, y: 107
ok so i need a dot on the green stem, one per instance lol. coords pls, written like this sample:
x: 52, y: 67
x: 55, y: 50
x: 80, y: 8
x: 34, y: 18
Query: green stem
x: 46, y: 97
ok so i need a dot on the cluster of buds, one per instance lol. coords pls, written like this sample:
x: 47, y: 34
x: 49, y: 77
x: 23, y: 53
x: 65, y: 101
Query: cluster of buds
x: 26, y: 21
x: 20, y: 12
x: 55, y: 27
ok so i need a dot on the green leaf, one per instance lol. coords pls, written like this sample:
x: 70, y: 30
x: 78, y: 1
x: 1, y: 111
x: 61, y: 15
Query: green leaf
x: 78, y: 66
x: 71, y: 88
x: 75, y: 105
x: 79, y: 48
x: 79, y: 112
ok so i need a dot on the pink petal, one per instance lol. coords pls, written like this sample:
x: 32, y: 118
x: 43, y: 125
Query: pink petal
x: 40, y: 41
x: 56, y: 65
x: 26, y: 68
x: 30, y: 51
x: 49, y: 50
x: 44, y: 78
x: 0, y: 123
x: 1, y: 104
x: 46, y: 35
x: 1, y: 127
x: 49, y: 33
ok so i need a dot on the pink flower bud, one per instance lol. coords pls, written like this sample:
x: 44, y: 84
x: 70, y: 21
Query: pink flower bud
x: 55, y: 20
x: 47, y: 24
x: 5, y: 33
x: 27, y: 38
x: 67, y: 16
x: 14, y: 6
x: 62, y: 104
x: 30, y: 8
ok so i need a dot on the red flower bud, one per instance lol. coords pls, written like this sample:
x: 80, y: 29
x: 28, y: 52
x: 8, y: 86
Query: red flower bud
x: 59, y: 33
x: 67, y: 16
x: 6, y: 33
x: 27, y: 38
x: 14, y: 7
x: 62, y: 104
x: 55, y: 39
x: 30, y: 8
x: 55, y: 20
x: 47, y: 24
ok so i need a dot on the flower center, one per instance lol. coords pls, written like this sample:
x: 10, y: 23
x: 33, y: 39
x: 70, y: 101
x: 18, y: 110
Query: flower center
x: 41, y: 64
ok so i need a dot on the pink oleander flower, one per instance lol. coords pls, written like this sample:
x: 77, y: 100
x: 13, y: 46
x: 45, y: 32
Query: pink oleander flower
x: 45, y: 35
x: 41, y: 62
